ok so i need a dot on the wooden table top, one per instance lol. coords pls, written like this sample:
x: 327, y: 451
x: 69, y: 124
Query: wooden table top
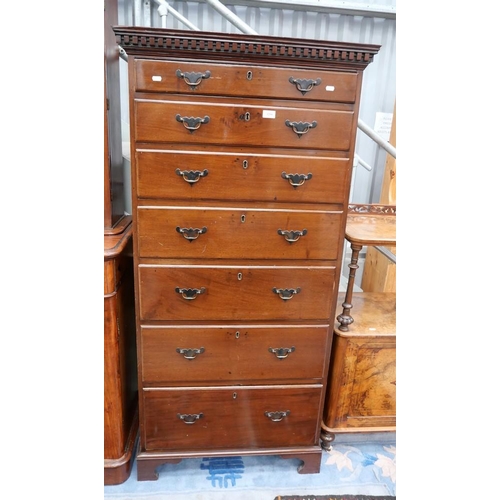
x: 371, y: 225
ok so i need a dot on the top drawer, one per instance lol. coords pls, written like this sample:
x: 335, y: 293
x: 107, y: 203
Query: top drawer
x: 246, y: 81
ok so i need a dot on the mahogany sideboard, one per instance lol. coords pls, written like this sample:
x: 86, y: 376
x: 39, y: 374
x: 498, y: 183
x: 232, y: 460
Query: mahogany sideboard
x: 241, y: 159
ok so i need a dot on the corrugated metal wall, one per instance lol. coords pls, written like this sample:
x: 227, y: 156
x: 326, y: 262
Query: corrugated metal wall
x: 379, y: 81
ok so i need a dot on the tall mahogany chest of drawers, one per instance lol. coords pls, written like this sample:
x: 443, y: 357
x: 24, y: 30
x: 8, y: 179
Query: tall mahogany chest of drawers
x: 242, y: 151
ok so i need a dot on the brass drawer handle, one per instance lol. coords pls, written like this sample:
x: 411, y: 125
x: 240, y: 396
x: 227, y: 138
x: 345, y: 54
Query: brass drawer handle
x: 191, y: 176
x: 286, y: 293
x: 190, y: 353
x: 191, y: 123
x: 190, y: 418
x: 192, y: 78
x: 190, y: 293
x: 281, y: 352
x: 277, y: 416
x: 191, y: 233
x: 304, y: 85
x: 296, y: 180
x: 292, y: 236
x: 301, y: 128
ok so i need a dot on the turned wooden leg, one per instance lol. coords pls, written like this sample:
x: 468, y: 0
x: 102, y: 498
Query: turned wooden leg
x: 146, y: 468
x: 345, y: 319
x: 326, y: 439
x: 311, y: 462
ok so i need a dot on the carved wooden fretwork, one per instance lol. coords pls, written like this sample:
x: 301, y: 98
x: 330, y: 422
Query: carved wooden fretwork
x: 372, y: 209
x: 152, y: 41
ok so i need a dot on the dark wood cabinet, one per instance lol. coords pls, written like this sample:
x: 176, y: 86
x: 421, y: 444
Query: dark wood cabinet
x: 241, y: 153
x: 120, y: 359
x: 120, y: 356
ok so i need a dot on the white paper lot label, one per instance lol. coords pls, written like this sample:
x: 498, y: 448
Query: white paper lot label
x: 268, y: 113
